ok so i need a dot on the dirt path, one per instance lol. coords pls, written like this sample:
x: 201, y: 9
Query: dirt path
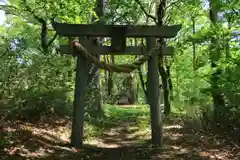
x: 126, y: 141
x: 179, y: 143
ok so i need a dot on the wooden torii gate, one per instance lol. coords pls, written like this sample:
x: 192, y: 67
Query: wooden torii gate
x: 118, y: 35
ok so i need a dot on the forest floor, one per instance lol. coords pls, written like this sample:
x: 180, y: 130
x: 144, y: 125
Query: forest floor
x: 122, y: 133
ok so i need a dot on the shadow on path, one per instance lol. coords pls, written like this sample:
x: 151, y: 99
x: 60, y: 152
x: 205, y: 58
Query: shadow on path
x: 121, y: 138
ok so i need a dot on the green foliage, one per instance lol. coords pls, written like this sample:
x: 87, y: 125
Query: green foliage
x: 230, y: 82
x: 112, y: 116
x: 123, y: 12
x: 35, y: 84
x: 192, y: 88
x: 37, y: 104
x: 187, y: 83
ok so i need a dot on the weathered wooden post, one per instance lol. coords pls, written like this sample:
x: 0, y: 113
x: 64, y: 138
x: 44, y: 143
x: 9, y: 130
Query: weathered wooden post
x: 153, y: 95
x: 78, y: 104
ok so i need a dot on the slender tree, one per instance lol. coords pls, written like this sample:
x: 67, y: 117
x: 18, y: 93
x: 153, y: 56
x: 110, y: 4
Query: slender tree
x: 164, y: 75
x: 215, y: 57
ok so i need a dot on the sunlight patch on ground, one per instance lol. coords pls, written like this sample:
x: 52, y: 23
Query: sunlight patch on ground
x: 175, y: 136
x: 215, y: 155
x: 139, y: 134
x: 22, y: 151
x: 173, y: 127
x: 126, y: 133
x: 101, y: 143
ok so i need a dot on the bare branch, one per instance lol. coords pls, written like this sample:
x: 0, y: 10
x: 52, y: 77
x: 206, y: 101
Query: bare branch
x: 52, y: 40
x: 145, y: 12
x: 173, y: 4
x: 234, y: 11
x: 122, y: 17
x: 9, y: 9
x: 44, y: 42
x: 142, y: 81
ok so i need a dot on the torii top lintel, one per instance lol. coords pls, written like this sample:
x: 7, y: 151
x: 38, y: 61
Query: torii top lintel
x: 100, y: 30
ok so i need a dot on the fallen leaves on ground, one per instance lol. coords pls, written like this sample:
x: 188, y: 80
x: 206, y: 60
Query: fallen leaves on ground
x: 49, y: 140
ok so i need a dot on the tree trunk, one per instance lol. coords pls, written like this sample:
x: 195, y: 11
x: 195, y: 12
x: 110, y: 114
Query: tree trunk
x: 133, y: 90
x: 140, y: 71
x: 96, y: 85
x: 167, y: 106
x: 170, y: 82
x: 130, y: 89
x: 215, y: 56
x: 105, y: 75
x: 227, y: 46
x: 194, y: 44
x: 110, y: 77
x: 99, y: 11
x: 142, y: 82
x: 166, y: 95
x: 194, y: 61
